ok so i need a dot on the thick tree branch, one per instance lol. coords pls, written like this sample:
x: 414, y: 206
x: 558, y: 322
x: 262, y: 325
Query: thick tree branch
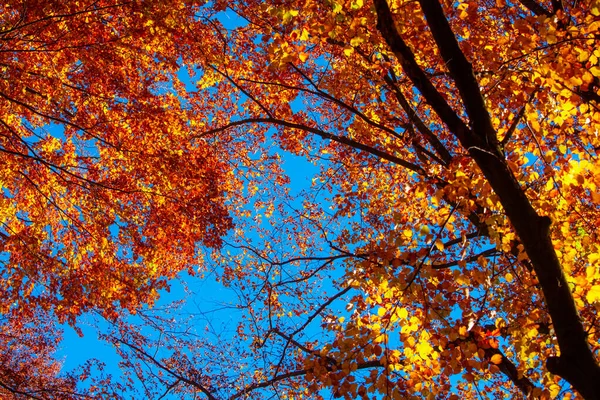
x: 506, y: 366
x: 387, y: 27
x: 535, y: 7
x: 423, y: 153
x: 460, y: 70
x: 510, y: 370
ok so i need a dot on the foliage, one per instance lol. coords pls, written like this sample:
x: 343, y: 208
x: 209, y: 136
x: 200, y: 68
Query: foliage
x: 447, y: 246
x: 98, y: 210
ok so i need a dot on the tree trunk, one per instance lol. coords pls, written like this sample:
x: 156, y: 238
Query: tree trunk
x: 576, y: 363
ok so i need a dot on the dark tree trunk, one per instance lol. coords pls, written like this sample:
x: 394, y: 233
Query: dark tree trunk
x: 576, y: 363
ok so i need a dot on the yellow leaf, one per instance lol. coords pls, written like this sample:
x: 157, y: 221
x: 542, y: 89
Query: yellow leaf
x: 408, y: 233
x: 304, y: 34
x: 51, y: 144
x: 509, y: 277
x: 303, y: 56
x: 209, y: 78
x: 554, y: 390
x: 575, y: 81
x: 288, y: 15
x: 439, y: 244
x: 403, y: 313
x: 356, y: 40
x: 348, y: 51
x: 593, y: 294
x: 424, y: 230
x: 424, y: 349
x: 463, y: 10
x: 562, y: 148
x: 356, y: 4
x: 496, y: 359
x: 587, y: 78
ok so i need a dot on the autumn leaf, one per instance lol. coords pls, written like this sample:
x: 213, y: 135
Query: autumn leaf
x: 593, y: 294
x: 496, y: 359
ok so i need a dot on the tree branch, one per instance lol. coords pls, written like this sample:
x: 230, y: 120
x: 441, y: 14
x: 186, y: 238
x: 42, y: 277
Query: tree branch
x: 440, y: 149
x: 576, y: 362
x: 506, y: 366
x: 535, y: 7
x: 510, y: 370
x: 517, y: 119
x: 461, y: 71
x: 292, y: 374
x: 167, y: 369
x: 325, y: 135
x: 488, y: 252
x: 387, y: 27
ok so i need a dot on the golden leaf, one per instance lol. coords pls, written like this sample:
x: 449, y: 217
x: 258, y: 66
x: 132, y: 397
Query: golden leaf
x: 496, y: 359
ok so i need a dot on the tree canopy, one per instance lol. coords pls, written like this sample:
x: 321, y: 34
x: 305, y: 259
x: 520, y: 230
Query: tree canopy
x: 445, y: 247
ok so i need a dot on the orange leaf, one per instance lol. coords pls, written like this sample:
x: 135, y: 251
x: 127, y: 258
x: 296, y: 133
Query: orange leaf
x: 496, y: 359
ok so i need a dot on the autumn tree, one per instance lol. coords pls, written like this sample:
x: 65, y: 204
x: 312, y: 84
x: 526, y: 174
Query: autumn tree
x: 447, y: 246
x: 454, y: 212
x: 104, y: 197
